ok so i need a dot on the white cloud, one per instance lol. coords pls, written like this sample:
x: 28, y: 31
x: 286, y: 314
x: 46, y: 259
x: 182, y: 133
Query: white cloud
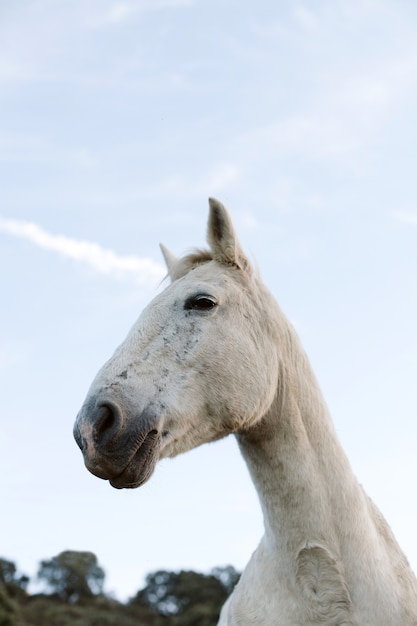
x: 345, y: 106
x: 407, y: 217
x: 306, y: 18
x: 312, y: 134
x: 105, y: 261
x: 120, y: 11
x: 123, y: 10
x: 345, y: 116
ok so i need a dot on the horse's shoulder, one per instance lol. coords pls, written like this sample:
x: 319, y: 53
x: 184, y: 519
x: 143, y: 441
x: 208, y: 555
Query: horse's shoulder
x: 322, y: 583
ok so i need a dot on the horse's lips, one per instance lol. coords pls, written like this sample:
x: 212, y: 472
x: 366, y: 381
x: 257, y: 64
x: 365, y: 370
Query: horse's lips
x: 141, y: 466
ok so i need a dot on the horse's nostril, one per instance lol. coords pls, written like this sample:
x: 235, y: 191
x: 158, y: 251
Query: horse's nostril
x: 106, y: 424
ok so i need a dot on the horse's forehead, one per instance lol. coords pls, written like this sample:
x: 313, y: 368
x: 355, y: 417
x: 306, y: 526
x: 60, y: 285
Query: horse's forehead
x: 208, y: 274
x: 209, y: 280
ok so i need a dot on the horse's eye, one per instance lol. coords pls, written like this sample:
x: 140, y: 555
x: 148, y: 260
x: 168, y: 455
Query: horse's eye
x: 200, y: 302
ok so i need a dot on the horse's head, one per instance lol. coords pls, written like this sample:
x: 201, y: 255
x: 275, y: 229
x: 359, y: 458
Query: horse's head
x: 198, y: 364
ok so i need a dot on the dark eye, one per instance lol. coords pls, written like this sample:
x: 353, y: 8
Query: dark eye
x: 200, y: 302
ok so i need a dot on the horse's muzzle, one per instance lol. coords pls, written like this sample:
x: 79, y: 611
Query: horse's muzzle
x: 117, y: 445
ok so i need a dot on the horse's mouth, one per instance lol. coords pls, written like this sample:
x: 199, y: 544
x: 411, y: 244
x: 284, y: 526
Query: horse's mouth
x: 111, y: 465
x: 141, y: 465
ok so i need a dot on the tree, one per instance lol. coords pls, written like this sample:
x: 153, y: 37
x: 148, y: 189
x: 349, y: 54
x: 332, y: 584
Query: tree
x: 9, y: 610
x: 73, y: 575
x: 13, y: 583
x: 188, y: 598
x: 228, y: 576
x: 7, y: 571
x: 10, y: 578
x: 12, y: 588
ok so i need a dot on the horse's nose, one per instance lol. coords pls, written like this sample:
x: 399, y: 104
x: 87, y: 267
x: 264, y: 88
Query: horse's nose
x: 81, y: 443
x: 97, y: 426
x: 107, y: 422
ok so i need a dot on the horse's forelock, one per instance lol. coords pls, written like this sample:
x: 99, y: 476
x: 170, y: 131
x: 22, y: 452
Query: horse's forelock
x: 189, y: 262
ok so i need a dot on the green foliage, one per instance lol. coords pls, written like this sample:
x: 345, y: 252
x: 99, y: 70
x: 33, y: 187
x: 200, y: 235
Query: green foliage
x: 97, y: 611
x: 15, y: 584
x: 76, y: 580
x: 12, y: 592
x: 228, y: 577
x: 73, y: 575
x: 187, y: 598
x: 9, y: 610
x: 7, y: 571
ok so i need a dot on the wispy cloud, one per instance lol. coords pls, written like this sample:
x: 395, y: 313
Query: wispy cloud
x: 140, y: 269
x: 306, y: 18
x: 124, y: 10
x: 407, y: 217
x: 345, y: 115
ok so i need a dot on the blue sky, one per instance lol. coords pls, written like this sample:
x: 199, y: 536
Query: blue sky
x: 117, y: 121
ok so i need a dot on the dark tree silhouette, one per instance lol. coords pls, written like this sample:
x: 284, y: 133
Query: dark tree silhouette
x: 9, y: 610
x: 73, y: 575
x: 188, y: 598
x: 13, y: 582
x: 75, y: 597
x: 228, y: 576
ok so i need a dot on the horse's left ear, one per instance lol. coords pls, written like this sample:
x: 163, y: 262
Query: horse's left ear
x: 222, y: 238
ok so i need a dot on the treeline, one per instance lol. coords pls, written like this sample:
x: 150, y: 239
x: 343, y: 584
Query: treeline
x: 74, y: 596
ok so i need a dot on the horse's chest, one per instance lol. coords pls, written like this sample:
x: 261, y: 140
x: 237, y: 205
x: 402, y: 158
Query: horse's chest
x: 263, y: 596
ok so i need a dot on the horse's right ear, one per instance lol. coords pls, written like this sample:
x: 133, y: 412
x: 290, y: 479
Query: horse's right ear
x: 170, y: 260
x: 222, y: 238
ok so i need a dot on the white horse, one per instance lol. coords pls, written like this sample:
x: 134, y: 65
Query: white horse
x: 212, y: 355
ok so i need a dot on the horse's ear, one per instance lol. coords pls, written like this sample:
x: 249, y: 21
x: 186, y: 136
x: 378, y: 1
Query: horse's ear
x: 170, y: 260
x: 222, y: 238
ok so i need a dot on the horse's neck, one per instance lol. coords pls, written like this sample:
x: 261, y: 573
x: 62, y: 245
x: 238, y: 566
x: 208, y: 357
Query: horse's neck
x: 318, y: 521
x: 301, y: 473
